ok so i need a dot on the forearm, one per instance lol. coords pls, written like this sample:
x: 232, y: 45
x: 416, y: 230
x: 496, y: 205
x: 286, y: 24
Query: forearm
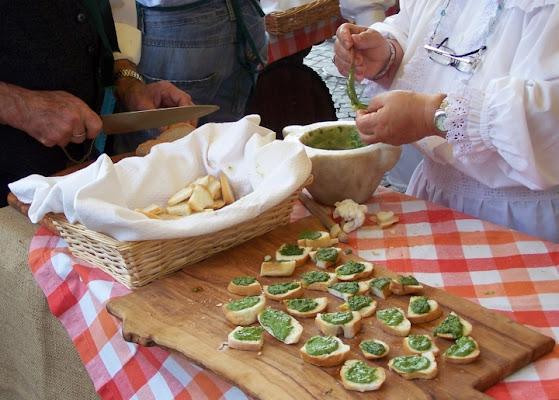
x: 10, y: 104
x: 391, y: 65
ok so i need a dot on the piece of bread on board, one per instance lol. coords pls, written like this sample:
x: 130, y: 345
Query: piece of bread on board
x: 401, y: 328
x: 277, y: 267
x: 405, y: 284
x: 247, y: 315
x: 318, y: 280
x: 428, y: 373
x: 289, y: 251
x: 325, y: 257
x: 349, y: 328
x: 245, y: 286
x: 373, y: 349
x: 380, y: 287
x: 240, y: 338
x: 335, y: 357
x: 450, y: 320
x: 283, y: 290
x: 345, y: 373
x: 364, y: 305
x: 354, y: 270
x: 173, y: 132
x: 431, y: 312
x: 344, y: 290
x: 270, y: 315
x: 315, y: 239
x: 302, y: 307
x: 419, y: 344
x: 465, y: 358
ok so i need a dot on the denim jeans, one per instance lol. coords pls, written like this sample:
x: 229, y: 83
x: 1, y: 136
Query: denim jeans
x: 202, y: 51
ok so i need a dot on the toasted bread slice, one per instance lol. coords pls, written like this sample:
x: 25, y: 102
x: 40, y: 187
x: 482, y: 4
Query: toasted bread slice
x: 393, y: 320
x: 307, y: 307
x: 364, y: 305
x: 324, y: 351
x: 226, y: 190
x: 405, y: 284
x: 426, y: 360
x: 421, y: 309
x: 244, y: 311
x: 354, y: 270
x: 288, y: 251
x: 419, y: 344
x: 277, y: 267
x: 245, y: 286
x: 373, y: 349
x: 201, y: 198
x: 380, y: 287
x: 453, y: 327
x: 348, y: 323
x: 246, y: 338
x: 353, y: 369
x: 181, y: 195
x: 318, y: 280
x: 464, y: 351
x: 280, y: 325
x: 283, y: 290
x: 325, y: 257
x: 315, y: 239
x: 344, y: 290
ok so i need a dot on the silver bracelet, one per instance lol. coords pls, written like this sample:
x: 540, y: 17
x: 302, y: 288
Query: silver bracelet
x: 388, y: 65
x: 128, y: 73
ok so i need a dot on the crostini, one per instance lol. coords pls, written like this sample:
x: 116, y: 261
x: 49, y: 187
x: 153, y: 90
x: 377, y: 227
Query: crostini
x: 315, y: 239
x: 354, y: 270
x: 415, y: 366
x: 393, y: 320
x: 324, y: 351
x: 346, y: 322
x: 245, y: 286
x: 373, y: 348
x: 421, y: 309
x: 405, y: 284
x: 244, y: 311
x: 325, y: 257
x: 380, y: 287
x: 357, y: 375
x: 307, y: 307
x: 344, y: 290
x: 419, y: 344
x: 283, y: 290
x: 280, y: 325
x: 453, y: 327
x: 464, y: 351
x: 318, y: 280
x: 277, y: 267
x: 246, y: 338
x: 288, y: 251
x: 364, y: 305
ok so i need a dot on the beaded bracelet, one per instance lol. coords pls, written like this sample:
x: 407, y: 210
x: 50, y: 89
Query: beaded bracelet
x: 388, y: 65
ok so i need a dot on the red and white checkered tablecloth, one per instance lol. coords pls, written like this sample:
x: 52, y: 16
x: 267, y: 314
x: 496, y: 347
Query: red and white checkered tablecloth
x: 502, y: 270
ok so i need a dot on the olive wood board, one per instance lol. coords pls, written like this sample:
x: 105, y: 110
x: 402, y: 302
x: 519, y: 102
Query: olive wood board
x: 182, y: 312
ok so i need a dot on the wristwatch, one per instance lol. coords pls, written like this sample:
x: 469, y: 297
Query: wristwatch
x: 128, y: 73
x: 440, y: 117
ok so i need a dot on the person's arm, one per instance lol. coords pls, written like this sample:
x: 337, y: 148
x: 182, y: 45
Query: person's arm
x: 128, y: 35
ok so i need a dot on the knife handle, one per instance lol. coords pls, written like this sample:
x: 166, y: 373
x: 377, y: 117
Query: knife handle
x: 324, y: 217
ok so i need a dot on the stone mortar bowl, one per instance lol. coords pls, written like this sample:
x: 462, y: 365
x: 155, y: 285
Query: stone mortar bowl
x: 343, y: 174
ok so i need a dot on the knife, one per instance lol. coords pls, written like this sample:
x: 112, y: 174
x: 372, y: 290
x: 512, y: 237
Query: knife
x: 146, y: 119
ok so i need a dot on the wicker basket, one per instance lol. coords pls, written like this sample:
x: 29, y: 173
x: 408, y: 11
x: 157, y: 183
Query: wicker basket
x: 137, y: 263
x: 281, y: 22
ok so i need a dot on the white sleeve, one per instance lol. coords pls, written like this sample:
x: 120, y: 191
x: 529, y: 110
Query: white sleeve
x: 128, y: 35
x: 365, y: 12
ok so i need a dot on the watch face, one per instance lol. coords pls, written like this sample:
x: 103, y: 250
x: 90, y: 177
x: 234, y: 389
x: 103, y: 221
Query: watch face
x: 438, y: 120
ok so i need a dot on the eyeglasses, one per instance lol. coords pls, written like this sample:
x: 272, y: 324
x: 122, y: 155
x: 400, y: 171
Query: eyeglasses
x: 443, y: 55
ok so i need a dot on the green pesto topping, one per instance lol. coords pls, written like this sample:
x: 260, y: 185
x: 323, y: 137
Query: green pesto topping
x: 361, y: 373
x: 380, y: 283
x: 244, y: 280
x: 302, y: 305
x: 348, y: 251
x: 373, y: 347
x: 278, y: 321
x: 282, y: 287
x: 346, y: 287
x: 419, y: 342
x: 311, y: 235
x: 420, y: 305
x: 350, y: 267
x: 289, y: 249
x: 390, y: 316
x: 320, y: 345
x: 247, y: 302
x: 333, y: 138
x: 249, y: 333
x: 358, y: 302
x: 315, y: 276
x: 411, y: 364
x: 463, y: 347
x: 327, y: 254
x: 451, y: 325
x: 407, y: 280
x: 338, y: 318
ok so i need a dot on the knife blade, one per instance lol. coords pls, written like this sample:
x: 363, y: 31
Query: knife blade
x: 147, y: 119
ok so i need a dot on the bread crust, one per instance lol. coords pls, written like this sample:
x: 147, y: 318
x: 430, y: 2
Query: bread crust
x: 248, y: 315
x: 360, y: 387
x: 360, y: 275
x: 402, y: 329
x: 410, y: 350
x: 247, y: 345
x: 428, y: 373
x: 327, y: 360
x: 349, y: 329
x: 434, y: 313
x: 322, y: 304
x: 254, y: 289
x: 464, y: 360
x: 290, y: 294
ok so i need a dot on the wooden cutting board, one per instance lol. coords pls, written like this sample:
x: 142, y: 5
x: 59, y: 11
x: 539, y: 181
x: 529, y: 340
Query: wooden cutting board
x: 182, y: 312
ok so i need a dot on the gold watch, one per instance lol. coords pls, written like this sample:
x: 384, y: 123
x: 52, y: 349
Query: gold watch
x: 440, y: 117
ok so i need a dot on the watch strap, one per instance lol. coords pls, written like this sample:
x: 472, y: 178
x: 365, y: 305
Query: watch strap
x: 128, y: 73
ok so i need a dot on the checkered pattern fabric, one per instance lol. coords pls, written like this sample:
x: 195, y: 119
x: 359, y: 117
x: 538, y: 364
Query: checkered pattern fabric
x: 499, y: 269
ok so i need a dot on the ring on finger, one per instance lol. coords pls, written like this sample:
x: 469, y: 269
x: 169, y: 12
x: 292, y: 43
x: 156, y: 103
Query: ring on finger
x: 79, y: 135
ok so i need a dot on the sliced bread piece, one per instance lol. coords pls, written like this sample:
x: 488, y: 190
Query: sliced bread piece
x: 405, y: 284
x: 419, y: 344
x: 289, y: 251
x: 325, y: 257
x: 380, y: 287
x: 374, y: 348
x: 307, y: 307
x: 245, y: 286
x: 324, y: 351
x: 453, y: 327
x: 364, y: 305
x: 357, y: 375
x: 318, y: 280
x: 246, y: 338
x: 244, y: 311
x: 464, y: 351
x: 226, y: 190
x: 315, y: 239
x: 346, y: 322
x: 277, y: 268
x: 415, y: 366
x: 344, y: 290
x: 393, y: 320
x: 421, y: 309
x: 354, y: 270
x: 283, y: 290
x: 280, y: 325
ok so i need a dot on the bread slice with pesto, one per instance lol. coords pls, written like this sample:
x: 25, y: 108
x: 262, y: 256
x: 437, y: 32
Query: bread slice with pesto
x: 453, y: 327
x: 415, y: 366
x: 325, y: 257
x: 289, y: 251
x: 373, y: 349
x: 464, y: 351
x: 380, y: 287
x: 344, y: 290
x: 306, y: 307
x: 335, y: 323
x: 245, y: 286
x: 280, y: 325
x: 421, y: 309
x: 277, y: 267
x: 244, y: 311
x: 318, y: 280
x: 364, y: 305
x: 393, y: 320
x: 283, y: 290
x: 315, y: 239
x: 405, y: 284
x: 246, y: 338
x: 354, y: 270
x: 324, y: 351
x: 358, y: 376
x: 419, y: 344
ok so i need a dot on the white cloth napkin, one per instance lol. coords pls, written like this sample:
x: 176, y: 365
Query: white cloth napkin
x: 103, y: 196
